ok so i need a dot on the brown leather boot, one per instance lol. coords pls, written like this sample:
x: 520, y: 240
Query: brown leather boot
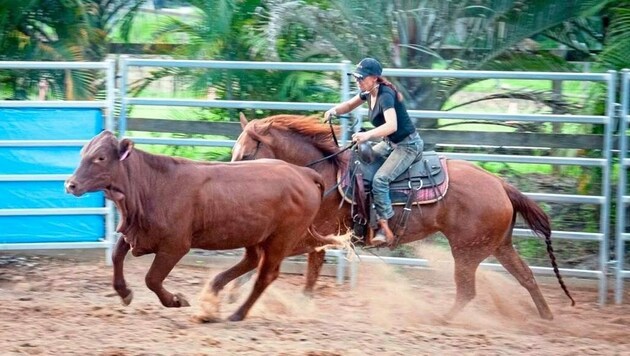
x: 384, y: 235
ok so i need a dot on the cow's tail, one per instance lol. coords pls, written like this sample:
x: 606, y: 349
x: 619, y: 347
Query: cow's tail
x: 538, y: 221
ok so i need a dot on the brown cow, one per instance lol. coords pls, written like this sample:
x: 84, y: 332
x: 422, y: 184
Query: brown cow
x: 169, y: 205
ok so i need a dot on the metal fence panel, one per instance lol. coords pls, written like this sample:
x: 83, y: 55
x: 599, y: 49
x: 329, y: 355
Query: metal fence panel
x: 39, y: 145
x: 622, y: 192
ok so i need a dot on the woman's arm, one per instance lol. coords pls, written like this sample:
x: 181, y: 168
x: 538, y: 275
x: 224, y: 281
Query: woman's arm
x: 389, y: 127
x: 344, y: 107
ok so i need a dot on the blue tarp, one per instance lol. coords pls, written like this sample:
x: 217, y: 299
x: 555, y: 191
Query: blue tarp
x: 46, y: 124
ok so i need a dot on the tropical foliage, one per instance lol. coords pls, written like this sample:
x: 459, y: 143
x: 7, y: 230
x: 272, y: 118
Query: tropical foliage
x: 59, y: 30
x: 475, y: 34
x: 224, y: 30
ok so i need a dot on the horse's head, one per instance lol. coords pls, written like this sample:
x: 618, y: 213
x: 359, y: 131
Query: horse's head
x: 254, y: 142
x: 292, y: 138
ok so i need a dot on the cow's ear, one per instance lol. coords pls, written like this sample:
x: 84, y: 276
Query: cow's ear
x: 124, y: 148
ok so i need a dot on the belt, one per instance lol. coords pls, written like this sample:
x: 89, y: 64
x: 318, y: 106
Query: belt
x: 411, y: 136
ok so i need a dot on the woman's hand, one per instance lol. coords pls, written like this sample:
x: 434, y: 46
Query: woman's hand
x: 328, y: 115
x: 360, y: 137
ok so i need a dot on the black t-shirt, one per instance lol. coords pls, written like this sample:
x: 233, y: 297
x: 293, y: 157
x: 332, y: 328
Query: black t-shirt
x: 387, y: 99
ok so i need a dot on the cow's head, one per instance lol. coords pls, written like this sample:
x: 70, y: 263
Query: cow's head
x: 100, y: 161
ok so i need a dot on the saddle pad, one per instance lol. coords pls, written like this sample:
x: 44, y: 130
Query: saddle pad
x: 424, y: 195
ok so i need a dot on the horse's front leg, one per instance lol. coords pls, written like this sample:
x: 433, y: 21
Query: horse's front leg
x: 118, y: 280
x: 162, y: 265
x: 313, y: 268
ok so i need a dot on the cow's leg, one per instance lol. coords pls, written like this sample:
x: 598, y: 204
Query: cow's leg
x: 246, y: 264
x: 209, y: 300
x: 233, y: 292
x: 118, y: 280
x: 313, y: 268
x: 162, y: 265
x: 268, y: 271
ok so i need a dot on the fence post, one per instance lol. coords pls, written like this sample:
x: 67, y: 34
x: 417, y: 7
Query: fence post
x: 621, y: 188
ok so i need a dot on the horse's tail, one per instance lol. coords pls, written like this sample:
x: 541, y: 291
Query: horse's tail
x: 538, y: 221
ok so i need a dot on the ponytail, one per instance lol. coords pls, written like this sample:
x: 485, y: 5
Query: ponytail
x: 387, y: 83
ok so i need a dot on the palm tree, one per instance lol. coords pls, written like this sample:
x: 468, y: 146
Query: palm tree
x: 223, y: 30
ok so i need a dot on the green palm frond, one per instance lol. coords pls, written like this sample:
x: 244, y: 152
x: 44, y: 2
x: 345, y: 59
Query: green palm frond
x: 616, y: 54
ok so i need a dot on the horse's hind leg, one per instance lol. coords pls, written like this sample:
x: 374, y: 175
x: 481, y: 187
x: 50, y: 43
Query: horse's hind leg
x: 514, y: 264
x: 313, y: 268
x: 209, y: 300
x: 467, y: 260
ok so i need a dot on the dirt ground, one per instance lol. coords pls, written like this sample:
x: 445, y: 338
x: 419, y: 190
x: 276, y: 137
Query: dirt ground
x: 61, y: 306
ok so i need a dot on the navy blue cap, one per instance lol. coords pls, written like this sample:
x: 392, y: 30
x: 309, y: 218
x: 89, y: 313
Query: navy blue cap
x: 367, y: 67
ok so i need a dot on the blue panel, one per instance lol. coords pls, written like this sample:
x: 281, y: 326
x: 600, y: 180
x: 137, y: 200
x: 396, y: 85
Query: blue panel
x: 39, y: 160
x: 63, y: 228
x: 49, y: 124
x: 33, y: 195
x: 46, y: 124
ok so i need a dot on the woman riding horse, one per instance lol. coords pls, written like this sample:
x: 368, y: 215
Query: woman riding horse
x: 401, y: 145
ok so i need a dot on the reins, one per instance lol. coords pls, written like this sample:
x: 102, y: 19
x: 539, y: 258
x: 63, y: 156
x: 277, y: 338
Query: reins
x: 332, y: 155
x: 332, y: 131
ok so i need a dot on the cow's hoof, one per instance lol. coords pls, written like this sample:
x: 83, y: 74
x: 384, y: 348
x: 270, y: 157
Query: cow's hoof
x: 236, y: 317
x: 127, y: 300
x: 203, y: 319
x: 180, y: 300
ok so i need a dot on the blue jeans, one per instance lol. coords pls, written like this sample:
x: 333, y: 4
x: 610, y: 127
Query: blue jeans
x: 399, y: 156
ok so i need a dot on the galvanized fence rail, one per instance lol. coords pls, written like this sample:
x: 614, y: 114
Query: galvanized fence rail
x: 127, y: 100
x: 107, y: 106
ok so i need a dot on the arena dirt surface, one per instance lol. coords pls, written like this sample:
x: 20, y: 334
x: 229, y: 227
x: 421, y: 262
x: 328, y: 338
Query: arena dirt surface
x: 60, y: 306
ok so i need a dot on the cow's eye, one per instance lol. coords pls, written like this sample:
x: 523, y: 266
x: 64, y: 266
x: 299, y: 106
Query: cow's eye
x: 99, y: 159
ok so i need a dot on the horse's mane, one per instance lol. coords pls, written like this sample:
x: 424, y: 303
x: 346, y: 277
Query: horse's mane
x: 311, y: 129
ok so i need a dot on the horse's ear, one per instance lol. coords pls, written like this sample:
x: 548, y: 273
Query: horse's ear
x: 124, y: 148
x: 243, y: 120
x: 259, y: 132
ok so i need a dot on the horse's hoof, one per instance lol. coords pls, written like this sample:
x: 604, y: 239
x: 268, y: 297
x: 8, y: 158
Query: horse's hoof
x: 204, y: 319
x: 547, y: 316
x: 180, y: 300
x: 127, y: 300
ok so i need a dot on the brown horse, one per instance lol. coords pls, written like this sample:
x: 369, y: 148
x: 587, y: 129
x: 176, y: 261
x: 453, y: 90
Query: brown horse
x: 169, y: 205
x: 477, y: 214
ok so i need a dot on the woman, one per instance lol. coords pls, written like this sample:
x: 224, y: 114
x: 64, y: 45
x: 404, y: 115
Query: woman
x: 401, y: 145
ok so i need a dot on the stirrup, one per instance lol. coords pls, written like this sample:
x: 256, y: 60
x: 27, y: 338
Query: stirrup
x: 379, y: 238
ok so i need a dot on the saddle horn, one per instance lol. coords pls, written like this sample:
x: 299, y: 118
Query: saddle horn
x: 365, y: 152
